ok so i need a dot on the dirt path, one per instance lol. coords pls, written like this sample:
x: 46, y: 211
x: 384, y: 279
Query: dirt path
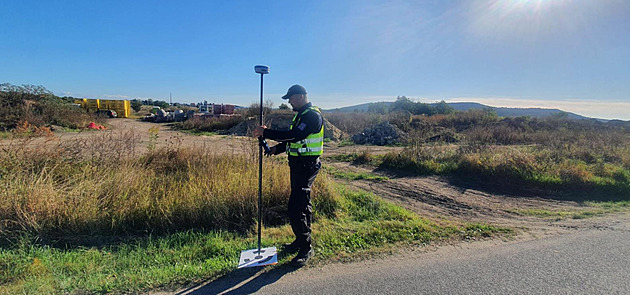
x: 438, y: 199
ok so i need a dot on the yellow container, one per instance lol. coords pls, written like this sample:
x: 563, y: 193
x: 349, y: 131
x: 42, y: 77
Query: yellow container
x: 121, y: 107
x: 82, y: 102
x: 93, y: 104
x: 104, y: 104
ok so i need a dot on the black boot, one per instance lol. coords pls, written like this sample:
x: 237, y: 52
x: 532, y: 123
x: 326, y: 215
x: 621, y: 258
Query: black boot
x: 291, y: 248
x: 303, y: 256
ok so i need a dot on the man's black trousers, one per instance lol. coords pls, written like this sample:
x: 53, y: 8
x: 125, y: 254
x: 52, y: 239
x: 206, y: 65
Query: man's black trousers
x: 303, y: 172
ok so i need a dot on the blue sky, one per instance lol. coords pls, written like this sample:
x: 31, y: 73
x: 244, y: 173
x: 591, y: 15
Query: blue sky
x: 568, y: 54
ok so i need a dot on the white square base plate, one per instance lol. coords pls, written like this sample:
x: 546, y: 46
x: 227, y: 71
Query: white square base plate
x: 251, y: 258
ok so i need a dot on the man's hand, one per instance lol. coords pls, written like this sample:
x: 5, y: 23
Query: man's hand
x: 258, y: 131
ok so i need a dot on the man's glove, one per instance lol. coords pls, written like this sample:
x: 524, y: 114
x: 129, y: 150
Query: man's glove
x: 265, y: 146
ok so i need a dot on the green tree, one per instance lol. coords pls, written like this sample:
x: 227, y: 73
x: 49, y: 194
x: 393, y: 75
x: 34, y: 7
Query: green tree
x: 443, y: 108
x: 136, y: 104
x: 403, y: 103
x: 420, y: 108
x: 283, y: 106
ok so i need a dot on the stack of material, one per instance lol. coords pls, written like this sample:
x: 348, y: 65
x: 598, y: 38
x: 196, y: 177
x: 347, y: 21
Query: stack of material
x: 381, y: 134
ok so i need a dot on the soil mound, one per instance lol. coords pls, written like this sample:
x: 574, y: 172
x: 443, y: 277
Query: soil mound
x: 381, y: 134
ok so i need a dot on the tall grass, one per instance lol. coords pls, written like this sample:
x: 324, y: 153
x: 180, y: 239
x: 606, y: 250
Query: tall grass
x: 583, y: 156
x: 101, y: 187
x: 535, y: 166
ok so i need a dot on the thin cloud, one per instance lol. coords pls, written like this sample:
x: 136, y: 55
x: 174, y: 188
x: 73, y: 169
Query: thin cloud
x: 115, y: 96
x: 590, y: 108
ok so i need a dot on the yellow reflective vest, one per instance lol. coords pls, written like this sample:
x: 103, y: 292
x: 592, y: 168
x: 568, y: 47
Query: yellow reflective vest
x: 313, y: 144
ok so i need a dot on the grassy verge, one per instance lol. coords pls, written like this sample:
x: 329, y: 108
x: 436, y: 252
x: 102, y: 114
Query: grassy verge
x: 592, y: 209
x: 361, y: 158
x: 614, y: 206
x: 346, y: 142
x: 364, y: 224
x: 198, y: 132
x: 560, y: 215
x: 71, y: 130
x: 349, y: 175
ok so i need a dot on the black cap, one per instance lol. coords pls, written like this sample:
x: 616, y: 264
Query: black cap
x: 295, y: 89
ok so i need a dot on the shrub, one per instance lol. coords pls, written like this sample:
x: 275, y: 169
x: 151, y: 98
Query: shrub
x: 39, y: 107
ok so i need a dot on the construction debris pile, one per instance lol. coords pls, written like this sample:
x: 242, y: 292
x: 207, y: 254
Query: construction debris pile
x: 381, y: 134
x: 206, y: 110
x: 162, y: 116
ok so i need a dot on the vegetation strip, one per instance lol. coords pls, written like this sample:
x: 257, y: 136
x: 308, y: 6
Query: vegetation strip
x: 590, y: 209
x: 104, y: 219
x: 568, y: 158
x: 364, y: 224
x: 354, y: 175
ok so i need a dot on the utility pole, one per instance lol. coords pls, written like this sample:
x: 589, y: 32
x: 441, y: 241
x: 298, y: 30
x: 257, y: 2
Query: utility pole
x: 170, y: 98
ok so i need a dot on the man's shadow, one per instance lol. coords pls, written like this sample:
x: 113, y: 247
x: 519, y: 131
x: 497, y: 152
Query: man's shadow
x: 242, y: 281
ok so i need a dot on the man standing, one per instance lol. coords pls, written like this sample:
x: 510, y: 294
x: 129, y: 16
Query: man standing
x: 304, y: 143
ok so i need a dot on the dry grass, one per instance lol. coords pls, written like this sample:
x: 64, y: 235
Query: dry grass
x: 554, y: 153
x: 102, y: 187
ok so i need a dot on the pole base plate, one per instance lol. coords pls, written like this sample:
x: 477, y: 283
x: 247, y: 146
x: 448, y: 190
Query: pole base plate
x: 251, y: 258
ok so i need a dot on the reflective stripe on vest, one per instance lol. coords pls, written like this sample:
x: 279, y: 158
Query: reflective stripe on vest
x: 312, y: 145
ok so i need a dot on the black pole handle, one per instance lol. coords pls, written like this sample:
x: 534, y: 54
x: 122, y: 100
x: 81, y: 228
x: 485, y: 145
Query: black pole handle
x: 260, y: 165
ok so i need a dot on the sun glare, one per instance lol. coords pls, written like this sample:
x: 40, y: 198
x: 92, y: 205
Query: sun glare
x: 529, y: 19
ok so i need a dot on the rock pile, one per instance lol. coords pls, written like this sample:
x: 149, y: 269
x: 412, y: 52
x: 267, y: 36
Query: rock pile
x: 381, y: 134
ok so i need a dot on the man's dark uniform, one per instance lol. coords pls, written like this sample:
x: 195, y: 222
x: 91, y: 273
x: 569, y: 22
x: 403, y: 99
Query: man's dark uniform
x: 304, y: 169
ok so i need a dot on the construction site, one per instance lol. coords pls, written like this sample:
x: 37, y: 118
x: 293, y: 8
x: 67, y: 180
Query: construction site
x: 122, y: 109
x: 117, y: 108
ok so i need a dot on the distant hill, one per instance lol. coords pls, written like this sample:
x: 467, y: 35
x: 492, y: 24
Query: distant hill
x: 514, y: 112
x: 464, y: 106
x: 356, y: 108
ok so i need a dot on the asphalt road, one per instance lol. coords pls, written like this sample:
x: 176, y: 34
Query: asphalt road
x: 592, y: 260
